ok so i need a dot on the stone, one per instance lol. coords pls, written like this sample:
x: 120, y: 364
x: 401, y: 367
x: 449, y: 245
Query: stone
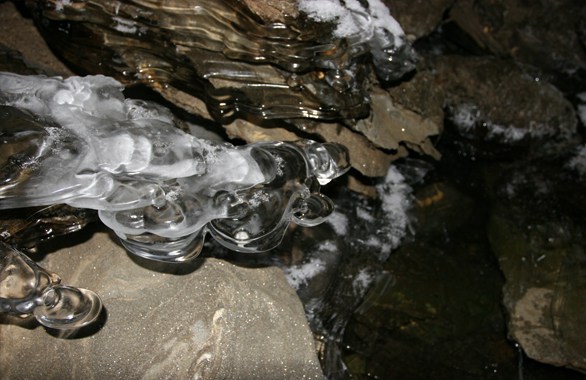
x: 390, y: 124
x: 418, y: 18
x: 493, y: 101
x: 13, y: 26
x: 544, y: 293
x: 536, y: 230
x: 209, y: 320
x: 545, y: 34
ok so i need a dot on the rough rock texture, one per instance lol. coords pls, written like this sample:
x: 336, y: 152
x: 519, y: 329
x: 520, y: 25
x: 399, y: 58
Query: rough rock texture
x: 546, y: 34
x: 537, y: 232
x: 493, y: 100
x: 418, y: 17
x: 215, y: 320
x: 544, y: 295
x: 14, y: 30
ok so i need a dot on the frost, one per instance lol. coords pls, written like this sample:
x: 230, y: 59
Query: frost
x: 362, y: 281
x: 339, y: 222
x: 61, y: 4
x: 468, y: 119
x: 124, y: 25
x: 578, y: 161
x: 395, y: 195
x: 299, y: 275
x: 353, y: 19
x: 367, y: 26
x: 364, y: 214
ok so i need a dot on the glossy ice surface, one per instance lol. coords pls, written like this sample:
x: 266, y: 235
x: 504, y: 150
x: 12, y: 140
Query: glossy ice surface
x: 27, y: 289
x: 308, y: 64
x: 78, y: 141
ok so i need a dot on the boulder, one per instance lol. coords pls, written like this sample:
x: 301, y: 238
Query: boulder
x: 211, y: 320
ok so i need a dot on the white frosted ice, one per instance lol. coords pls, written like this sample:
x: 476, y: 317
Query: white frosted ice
x: 396, y: 196
x: 79, y: 141
x: 578, y: 161
x: 367, y: 26
x: 362, y: 281
x: 339, y: 222
x: 352, y: 19
x: 299, y: 275
x: 468, y: 118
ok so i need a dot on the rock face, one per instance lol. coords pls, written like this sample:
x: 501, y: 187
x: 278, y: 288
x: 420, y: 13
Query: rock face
x: 544, y: 295
x: 213, y: 320
x: 537, y: 231
x: 545, y: 34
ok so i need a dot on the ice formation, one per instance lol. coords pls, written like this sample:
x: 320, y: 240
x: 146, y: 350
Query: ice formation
x: 78, y: 141
x: 395, y: 194
x: 239, y: 65
x: 578, y: 161
x: 26, y: 288
x: 372, y: 25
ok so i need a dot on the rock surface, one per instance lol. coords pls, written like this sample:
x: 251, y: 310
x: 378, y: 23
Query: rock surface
x: 214, y: 320
x: 548, y: 34
x: 537, y: 232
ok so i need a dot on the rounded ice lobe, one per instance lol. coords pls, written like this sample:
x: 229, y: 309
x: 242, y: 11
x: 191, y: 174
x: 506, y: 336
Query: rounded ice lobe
x: 78, y: 141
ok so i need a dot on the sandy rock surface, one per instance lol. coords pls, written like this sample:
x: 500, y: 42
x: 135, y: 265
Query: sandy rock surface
x: 214, y: 320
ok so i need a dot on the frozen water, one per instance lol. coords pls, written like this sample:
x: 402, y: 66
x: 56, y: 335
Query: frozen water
x: 352, y: 19
x: 370, y: 24
x: 362, y: 281
x: 578, y: 161
x: 299, y: 275
x: 395, y: 194
x: 339, y: 222
x: 78, y: 141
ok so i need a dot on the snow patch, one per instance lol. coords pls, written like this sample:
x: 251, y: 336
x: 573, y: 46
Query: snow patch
x: 339, y: 222
x: 124, y: 25
x: 578, y: 161
x: 298, y: 275
x: 362, y: 281
x: 395, y: 195
x: 354, y: 20
x: 468, y: 118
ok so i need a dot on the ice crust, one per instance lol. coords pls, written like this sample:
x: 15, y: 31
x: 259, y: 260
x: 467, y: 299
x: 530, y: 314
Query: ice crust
x: 371, y: 24
x: 79, y: 141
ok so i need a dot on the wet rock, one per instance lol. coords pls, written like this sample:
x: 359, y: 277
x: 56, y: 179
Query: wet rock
x: 537, y: 232
x: 208, y: 320
x: 491, y: 100
x: 425, y: 312
x: 544, y: 293
x: 31, y: 49
x: 390, y: 124
x: 27, y: 227
x: 544, y: 34
x: 418, y: 18
x: 273, y: 10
